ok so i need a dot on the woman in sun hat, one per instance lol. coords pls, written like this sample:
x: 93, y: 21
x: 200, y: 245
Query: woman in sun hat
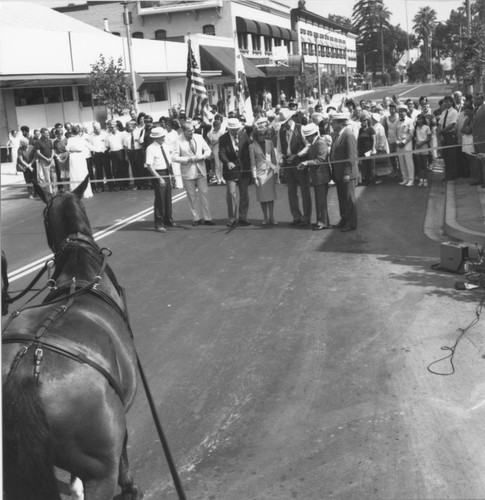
x: 262, y: 155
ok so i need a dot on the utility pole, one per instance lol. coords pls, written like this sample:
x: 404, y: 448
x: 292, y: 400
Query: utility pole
x: 318, y: 69
x: 346, y: 71
x: 127, y: 20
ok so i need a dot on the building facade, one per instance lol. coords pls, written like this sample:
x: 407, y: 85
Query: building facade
x: 327, y: 47
x: 41, y: 88
x: 260, y: 30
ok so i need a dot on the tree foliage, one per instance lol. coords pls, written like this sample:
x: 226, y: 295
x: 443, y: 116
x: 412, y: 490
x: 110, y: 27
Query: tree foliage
x: 370, y: 19
x: 424, y: 25
x: 470, y: 62
x: 342, y: 20
x: 109, y: 85
x: 306, y: 82
x: 418, y: 71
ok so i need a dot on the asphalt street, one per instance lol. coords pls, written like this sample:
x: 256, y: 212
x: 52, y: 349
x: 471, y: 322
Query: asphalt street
x: 288, y: 363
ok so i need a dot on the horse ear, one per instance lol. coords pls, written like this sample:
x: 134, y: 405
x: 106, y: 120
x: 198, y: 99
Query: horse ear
x: 43, y: 195
x: 79, y: 191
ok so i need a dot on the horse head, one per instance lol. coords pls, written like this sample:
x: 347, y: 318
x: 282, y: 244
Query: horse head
x: 64, y: 215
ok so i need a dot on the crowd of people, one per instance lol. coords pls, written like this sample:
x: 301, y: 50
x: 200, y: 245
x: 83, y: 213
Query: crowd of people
x: 340, y: 145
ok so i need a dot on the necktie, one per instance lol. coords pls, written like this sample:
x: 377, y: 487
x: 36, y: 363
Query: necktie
x: 167, y: 163
x: 236, y: 143
x: 444, y: 120
x: 132, y: 141
x: 288, y: 140
x: 193, y: 146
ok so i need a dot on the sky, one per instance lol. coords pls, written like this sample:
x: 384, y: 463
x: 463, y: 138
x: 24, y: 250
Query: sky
x: 397, y: 8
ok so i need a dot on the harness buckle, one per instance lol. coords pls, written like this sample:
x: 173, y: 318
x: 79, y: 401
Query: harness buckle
x: 105, y: 251
x: 39, y: 354
x: 51, y: 284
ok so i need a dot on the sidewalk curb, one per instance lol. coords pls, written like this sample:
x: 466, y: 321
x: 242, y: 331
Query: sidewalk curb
x: 451, y: 225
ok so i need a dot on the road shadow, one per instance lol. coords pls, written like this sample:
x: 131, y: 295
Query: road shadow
x: 440, y: 283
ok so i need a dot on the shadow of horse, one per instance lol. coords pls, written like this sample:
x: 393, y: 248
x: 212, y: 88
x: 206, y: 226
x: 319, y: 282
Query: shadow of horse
x: 69, y: 371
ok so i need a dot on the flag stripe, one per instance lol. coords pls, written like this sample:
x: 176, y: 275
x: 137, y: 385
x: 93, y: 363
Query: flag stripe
x: 196, y: 99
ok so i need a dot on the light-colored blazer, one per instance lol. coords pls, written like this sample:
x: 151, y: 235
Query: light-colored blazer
x: 183, y: 154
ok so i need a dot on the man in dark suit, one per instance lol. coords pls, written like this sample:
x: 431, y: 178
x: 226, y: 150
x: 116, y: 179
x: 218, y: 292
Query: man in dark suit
x: 478, y: 131
x: 236, y: 170
x: 343, y: 158
x: 320, y: 173
x: 292, y: 148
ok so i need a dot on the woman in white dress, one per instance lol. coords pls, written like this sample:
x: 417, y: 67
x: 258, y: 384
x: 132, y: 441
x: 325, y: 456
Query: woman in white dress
x: 78, y: 169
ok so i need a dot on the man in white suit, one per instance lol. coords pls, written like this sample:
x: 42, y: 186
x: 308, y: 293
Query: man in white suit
x: 191, y: 151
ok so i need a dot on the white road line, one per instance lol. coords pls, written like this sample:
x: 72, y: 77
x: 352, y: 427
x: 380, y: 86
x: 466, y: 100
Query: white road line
x: 36, y: 265
x: 410, y: 90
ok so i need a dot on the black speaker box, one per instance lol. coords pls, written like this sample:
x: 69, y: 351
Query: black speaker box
x: 453, y: 256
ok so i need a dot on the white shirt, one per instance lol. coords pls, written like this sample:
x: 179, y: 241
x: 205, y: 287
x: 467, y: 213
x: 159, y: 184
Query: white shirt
x: 451, y: 117
x: 155, y: 158
x: 98, y: 142
x: 115, y: 141
x: 126, y: 138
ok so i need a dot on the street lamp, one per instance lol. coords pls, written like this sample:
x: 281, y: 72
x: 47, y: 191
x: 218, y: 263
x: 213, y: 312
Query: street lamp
x: 318, y: 68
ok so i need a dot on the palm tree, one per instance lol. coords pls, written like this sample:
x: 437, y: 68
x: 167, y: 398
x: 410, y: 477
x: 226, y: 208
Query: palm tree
x: 424, y: 24
x: 370, y: 18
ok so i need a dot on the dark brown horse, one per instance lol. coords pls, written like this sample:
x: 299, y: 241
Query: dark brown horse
x: 5, y: 285
x: 69, y: 371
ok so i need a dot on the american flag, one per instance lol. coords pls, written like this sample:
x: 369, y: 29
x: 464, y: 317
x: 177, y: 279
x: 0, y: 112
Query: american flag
x: 196, y: 99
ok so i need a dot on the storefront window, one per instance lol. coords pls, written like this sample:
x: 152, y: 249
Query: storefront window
x: 52, y: 94
x: 256, y: 39
x: 153, y: 92
x: 242, y: 40
x: 85, y: 96
x: 137, y: 34
x: 28, y: 97
x: 67, y: 94
x: 267, y: 44
x: 160, y: 35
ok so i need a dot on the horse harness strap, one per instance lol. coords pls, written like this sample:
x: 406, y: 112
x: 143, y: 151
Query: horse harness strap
x: 66, y: 348
x: 61, y: 345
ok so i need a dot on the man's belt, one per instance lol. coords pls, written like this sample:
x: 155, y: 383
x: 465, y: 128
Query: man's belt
x: 162, y: 172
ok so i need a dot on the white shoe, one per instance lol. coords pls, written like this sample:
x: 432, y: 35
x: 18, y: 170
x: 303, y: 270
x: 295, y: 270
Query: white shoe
x: 403, y: 183
x: 421, y: 182
x: 425, y: 183
x: 410, y: 183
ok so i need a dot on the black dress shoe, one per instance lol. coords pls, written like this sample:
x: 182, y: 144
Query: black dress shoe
x: 340, y: 224
x: 304, y: 223
x: 295, y: 223
x: 348, y: 228
x: 196, y: 223
x: 209, y: 223
x: 242, y: 222
x: 319, y: 227
x: 231, y: 223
